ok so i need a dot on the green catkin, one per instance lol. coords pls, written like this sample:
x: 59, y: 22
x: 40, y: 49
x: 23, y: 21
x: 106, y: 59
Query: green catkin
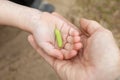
x: 58, y: 38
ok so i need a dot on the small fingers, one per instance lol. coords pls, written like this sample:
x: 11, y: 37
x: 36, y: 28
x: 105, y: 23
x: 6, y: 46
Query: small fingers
x: 73, y: 32
x: 78, y: 46
x: 68, y: 46
x: 76, y: 39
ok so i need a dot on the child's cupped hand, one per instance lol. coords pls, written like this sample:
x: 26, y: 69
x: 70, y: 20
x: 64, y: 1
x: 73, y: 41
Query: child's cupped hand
x: 44, y: 35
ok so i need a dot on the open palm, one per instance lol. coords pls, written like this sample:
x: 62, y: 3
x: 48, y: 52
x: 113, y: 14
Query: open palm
x: 45, y: 36
x: 98, y: 60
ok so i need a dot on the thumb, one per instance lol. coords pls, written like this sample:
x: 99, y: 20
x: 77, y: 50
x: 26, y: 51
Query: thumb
x: 51, y: 50
x: 33, y: 43
x: 90, y: 26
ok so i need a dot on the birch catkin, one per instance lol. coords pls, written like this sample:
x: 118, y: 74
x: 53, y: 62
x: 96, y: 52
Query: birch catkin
x: 58, y: 38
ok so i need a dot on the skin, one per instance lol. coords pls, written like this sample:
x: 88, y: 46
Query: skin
x: 41, y: 25
x: 98, y: 60
x: 99, y: 54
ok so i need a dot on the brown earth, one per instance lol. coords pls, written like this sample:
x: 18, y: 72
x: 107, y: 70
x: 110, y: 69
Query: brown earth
x: 18, y: 60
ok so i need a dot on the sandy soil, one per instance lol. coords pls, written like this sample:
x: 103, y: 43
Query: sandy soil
x: 18, y: 60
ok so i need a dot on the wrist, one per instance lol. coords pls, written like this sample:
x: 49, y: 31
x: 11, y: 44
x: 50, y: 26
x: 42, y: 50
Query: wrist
x: 29, y: 19
x: 16, y: 15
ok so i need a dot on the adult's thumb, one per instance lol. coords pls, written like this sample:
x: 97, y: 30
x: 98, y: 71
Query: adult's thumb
x: 89, y: 26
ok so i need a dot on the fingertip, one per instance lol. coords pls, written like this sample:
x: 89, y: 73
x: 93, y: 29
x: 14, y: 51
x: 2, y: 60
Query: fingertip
x: 70, y: 39
x: 68, y: 46
x: 75, y: 33
x: 84, y: 23
x: 77, y: 39
x: 83, y: 20
x: 57, y: 54
x: 90, y: 26
x: 73, y: 53
x: 77, y: 46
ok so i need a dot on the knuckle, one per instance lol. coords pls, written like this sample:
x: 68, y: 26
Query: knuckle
x: 108, y: 31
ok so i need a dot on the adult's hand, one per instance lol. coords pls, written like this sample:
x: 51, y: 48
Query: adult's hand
x: 98, y: 60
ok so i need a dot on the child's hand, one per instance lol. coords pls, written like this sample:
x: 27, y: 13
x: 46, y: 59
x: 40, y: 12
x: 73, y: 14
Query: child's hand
x: 44, y: 35
x: 42, y: 26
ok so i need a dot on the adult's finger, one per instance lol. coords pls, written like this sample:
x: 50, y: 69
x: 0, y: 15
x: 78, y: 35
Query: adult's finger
x: 90, y: 26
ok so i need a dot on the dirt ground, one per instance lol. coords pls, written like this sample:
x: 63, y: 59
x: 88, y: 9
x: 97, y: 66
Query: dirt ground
x: 18, y: 60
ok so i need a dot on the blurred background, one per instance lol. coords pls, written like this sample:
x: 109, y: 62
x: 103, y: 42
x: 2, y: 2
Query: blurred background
x: 19, y: 61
